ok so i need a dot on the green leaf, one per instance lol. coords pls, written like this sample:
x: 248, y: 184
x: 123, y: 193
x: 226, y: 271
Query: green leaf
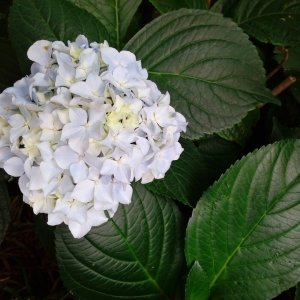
x: 45, y: 233
x: 197, y: 283
x: 164, y: 6
x: 196, y: 169
x: 9, y: 68
x: 208, y: 65
x: 293, y: 62
x: 224, y: 6
x: 245, y: 230
x: 280, y: 131
x: 4, y: 210
x: 271, y: 21
x: 241, y: 132
x: 115, y: 15
x: 32, y: 20
x: 297, y: 295
x: 135, y: 255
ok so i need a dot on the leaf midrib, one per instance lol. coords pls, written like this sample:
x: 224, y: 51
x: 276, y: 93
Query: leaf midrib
x: 117, y: 17
x: 230, y: 257
x: 150, y: 278
x: 205, y: 81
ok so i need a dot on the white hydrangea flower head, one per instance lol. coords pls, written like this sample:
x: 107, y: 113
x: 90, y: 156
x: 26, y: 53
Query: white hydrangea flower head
x: 81, y: 127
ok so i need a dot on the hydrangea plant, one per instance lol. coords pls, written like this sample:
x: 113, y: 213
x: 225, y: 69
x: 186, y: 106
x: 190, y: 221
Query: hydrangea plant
x: 81, y: 127
x: 151, y: 134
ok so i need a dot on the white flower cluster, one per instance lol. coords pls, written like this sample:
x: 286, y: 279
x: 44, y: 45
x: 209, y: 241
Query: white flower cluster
x: 81, y: 127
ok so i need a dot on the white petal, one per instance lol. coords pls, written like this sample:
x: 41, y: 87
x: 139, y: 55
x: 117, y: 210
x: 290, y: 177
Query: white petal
x: 103, y: 196
x: 109, y: 166
x: 70, y: 130
x: 40, y: 52
x: 36, y: 179
x: 66, y: 185
x: 5, y: 154
x: 77, y: 212
x: 45, y: 151
x: 79, y: 230
x: 64, y: 157
x: 108, y: 54
x: 14, y: 166
x: 79, y: 144
x: 23, y: 185
x: 79, y: 171
x: 95, y: 217
x: 122, y: 192
x: 81, y: 89
x: 84, y: 191
x: 16, y: 120
x: 49, y: 170
x: 55, y: 219
x: 78, y: 116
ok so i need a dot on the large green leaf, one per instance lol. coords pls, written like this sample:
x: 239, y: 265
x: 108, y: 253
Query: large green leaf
x: 4, y: 209
x: 9, y: 68
x: 208, y: 65
x: 31, y: 20
x: 275, y: 21
x: 164, y: 6
x: 241, y: 132
x: 115, y: 15
x: 197, y: 167
x: 245, y: 231
x: 135, y: 255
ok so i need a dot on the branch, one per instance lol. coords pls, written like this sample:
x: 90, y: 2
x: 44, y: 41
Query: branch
x: 278, y: 67
x: 286, y: 83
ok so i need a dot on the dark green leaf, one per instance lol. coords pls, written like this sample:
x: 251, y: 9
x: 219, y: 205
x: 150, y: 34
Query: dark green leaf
x: 135, y: 255
x: 115, y: 15
x: 280, y: 131
x: 297, y: 296
x: 32, y: 20
x: 208, y: 65
x: 274, y: 21
x: 45, y: 233
x: 197, y: 283
x: 224, y: 6
x: 164, y: 6
x: 9, y: 68
x: 241, y: 132
x: 196, y: 169
x: 245, y: 230
x: 4, y: 209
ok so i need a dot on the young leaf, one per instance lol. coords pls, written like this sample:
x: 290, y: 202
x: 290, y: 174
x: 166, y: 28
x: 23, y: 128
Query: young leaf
x: 9, y: 69
x: 208, y: 65
x: 196, y: 169
x: 135, y: 255
x: 31, y: 20
x: 245, y: 231
x: 4, y: 210
x: 115, y: 15
x: 271, y: 21
x: 164, y: 6
x: 197, y: 283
